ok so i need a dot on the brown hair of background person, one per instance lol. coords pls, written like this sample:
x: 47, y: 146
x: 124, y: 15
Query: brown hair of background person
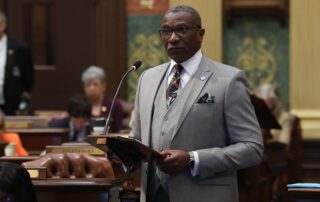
x: 15, y: 184
x: 78, y: 121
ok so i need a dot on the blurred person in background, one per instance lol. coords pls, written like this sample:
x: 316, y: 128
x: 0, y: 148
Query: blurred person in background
x: 12, y: 138
x: 271, y: 96
x: 95, y: 85
x: 16, y: 73
x: 15, y: 184
x: 78, y: 121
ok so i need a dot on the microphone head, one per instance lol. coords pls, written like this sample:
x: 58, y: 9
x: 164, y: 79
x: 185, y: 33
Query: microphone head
x: 136, y: 64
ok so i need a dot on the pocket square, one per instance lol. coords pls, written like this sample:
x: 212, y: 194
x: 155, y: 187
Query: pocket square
x: 206, y: 98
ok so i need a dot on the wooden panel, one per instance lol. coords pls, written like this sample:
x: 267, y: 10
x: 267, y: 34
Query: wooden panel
x: 110, y: 41
x: 52, y: 190
x: 211, y: 15
x: 305, y: 71
x: 35, y: 140
x: 66, y: 37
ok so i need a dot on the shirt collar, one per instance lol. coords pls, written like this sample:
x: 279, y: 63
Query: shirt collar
x: 190, y: 65
x: 3, y: 41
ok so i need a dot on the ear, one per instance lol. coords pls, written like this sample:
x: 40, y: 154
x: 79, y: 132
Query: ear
x: 201, y: 34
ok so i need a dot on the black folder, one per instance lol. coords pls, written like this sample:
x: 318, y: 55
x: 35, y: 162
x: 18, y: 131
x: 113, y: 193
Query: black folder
x: 264, y: 115
x: 131, y: 152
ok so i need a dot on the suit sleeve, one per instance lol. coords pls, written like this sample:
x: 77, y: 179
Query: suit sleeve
x: 136, y: 121
x: 244, y: 135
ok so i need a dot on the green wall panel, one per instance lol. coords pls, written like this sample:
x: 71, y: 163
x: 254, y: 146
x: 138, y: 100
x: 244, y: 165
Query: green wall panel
x: 260, y: 46
x: 143, y: 44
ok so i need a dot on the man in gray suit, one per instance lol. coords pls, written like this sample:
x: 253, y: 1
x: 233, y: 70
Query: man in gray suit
x: 198, y: 114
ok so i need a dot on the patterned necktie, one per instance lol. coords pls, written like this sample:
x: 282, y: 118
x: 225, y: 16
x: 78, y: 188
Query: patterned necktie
x: 172, y: 90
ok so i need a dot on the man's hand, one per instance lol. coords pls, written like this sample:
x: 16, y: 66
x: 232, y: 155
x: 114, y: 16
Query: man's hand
x: 173, y: 161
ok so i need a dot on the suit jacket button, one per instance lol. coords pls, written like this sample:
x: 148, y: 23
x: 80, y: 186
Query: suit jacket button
x: 165, y: 118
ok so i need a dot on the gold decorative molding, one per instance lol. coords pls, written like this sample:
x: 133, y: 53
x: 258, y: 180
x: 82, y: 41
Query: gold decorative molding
x: 310, y: 123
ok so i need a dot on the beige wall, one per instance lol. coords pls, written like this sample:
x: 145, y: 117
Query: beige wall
x: 304, y: 64
x: 211, y: 14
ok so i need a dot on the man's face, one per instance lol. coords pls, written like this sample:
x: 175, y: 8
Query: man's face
x: 186, y: 40
x: 79, y: 122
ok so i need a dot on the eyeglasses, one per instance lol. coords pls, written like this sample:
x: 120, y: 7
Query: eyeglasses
x: 179, y: 30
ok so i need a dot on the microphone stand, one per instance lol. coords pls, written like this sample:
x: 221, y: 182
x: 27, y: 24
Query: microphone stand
x: 135, y: 66
x: 128, y: 194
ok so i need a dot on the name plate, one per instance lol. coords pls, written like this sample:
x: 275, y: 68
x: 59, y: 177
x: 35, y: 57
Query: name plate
x: 90, y: 150
x: 37, y: 173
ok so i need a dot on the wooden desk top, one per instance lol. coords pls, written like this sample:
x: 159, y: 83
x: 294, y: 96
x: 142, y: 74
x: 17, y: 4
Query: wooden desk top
x: 87, y: 184
x: 305, y: 193
x: 18, y: 159
x: 38, y: 130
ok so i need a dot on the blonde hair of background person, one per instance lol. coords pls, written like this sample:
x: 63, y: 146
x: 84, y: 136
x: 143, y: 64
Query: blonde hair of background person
x: 11, y: 138
x: 270, y: 95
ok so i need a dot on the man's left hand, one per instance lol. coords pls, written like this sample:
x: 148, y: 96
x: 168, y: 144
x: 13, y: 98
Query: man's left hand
x: 173, y: 161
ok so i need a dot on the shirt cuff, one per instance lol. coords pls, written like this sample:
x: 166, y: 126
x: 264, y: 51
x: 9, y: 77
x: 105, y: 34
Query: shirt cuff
x: 195, y: 168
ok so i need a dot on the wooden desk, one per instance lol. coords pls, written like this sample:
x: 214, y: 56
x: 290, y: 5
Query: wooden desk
x: 17, y: 159
x: 80, y: 190
x: 305, y: 193
x: 36, y: 139
x: 26, y: 122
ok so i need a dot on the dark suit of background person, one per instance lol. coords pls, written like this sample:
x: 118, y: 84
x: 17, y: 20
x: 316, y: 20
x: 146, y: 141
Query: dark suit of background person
x: 18, y: 77
x: 212, y: 117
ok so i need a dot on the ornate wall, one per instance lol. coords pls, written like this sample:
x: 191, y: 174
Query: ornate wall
x: 260, y: 46
x: 143, y: 41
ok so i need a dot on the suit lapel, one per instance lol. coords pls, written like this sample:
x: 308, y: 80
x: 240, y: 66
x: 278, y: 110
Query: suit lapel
x: 154, y: 86
x: 10, y: 58
x: 193, y: 89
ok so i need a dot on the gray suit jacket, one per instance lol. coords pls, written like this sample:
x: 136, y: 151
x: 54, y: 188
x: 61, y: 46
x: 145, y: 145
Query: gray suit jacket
x: 225, y: 133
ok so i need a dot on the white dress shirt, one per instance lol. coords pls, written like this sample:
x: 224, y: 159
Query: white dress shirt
x: 3, y: 59
x: 189, y: 68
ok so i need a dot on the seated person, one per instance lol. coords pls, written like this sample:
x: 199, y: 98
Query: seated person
x: 15, y: 184
x: 78, y: 121
x: 95, y: 85
x: 11, y: 138
x: 271, y: 96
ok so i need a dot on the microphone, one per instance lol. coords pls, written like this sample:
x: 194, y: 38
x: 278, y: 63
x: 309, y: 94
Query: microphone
x: 135, y: 66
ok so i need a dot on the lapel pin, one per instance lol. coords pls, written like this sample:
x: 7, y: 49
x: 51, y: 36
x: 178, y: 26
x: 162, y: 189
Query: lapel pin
x: 202, y: 78
x: 103, y: 109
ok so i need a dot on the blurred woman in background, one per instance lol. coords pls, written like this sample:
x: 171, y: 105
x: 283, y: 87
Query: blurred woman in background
x: 95, y: 85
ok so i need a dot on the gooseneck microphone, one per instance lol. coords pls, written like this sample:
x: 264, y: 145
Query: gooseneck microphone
x: 135, y: 66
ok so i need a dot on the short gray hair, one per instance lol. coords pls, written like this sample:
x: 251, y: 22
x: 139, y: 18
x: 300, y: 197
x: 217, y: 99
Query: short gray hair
x: 187, y: 9
x: 93, y: 72
x: 3, y: 17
